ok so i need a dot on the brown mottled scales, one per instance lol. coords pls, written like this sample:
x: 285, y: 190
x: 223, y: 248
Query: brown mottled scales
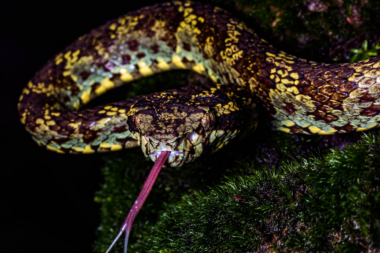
x: 302, y: 96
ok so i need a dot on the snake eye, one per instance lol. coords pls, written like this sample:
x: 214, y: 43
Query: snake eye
x: 192, y: 136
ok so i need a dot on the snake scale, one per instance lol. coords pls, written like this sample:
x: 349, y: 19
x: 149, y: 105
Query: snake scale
x: 300, y: 96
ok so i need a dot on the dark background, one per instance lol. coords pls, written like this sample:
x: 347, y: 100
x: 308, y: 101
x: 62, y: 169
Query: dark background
x: 46, y: 199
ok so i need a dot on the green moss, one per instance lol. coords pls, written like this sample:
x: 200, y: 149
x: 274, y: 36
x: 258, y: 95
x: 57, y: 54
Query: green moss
x: 320, y: 204
x: 364, y: 52
x: 125, y: 173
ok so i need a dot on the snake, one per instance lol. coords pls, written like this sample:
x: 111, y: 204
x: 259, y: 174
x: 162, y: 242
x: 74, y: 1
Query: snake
x: 300, y: 96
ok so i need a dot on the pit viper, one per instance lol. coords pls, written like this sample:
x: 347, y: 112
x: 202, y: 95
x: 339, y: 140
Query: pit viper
x: 300, y: 96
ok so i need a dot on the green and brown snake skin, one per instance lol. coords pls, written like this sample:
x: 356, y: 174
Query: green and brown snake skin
x: 301, y: 96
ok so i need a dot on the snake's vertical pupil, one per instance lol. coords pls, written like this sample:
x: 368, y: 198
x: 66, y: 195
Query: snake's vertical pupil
x: 149, y: 182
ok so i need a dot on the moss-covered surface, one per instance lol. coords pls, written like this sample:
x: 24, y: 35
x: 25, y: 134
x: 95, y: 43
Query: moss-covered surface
x: 271, y: 189
x: 318, y: 204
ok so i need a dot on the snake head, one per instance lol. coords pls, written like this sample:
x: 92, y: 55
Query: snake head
x: 178, y: 126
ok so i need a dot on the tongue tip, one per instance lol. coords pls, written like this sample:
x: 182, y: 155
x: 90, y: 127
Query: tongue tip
x: 141, y: 198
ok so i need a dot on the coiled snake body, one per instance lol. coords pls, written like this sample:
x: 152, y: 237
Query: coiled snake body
x: 301, y: 96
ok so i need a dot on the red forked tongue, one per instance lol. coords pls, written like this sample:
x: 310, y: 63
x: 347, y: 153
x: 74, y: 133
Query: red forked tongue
x: 141, y: 199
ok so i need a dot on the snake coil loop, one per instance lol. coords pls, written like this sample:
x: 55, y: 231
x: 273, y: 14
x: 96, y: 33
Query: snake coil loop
x: 301, y: 96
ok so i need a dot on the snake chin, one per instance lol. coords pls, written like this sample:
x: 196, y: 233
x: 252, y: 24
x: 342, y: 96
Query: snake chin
x: 182, y: 149
x: 175, y: 159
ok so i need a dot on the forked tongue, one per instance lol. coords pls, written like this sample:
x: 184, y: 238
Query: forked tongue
x: 141, y: 199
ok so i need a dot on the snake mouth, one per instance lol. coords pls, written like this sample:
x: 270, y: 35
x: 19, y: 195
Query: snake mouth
x: 176, y: 158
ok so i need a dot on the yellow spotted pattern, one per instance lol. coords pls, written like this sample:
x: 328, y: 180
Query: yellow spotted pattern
x: 302, y: 96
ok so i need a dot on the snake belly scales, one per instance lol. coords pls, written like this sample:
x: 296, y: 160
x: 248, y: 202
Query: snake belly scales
x: 301, y: 96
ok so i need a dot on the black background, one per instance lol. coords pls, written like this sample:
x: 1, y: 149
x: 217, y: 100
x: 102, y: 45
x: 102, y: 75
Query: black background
x: 46, y: 201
